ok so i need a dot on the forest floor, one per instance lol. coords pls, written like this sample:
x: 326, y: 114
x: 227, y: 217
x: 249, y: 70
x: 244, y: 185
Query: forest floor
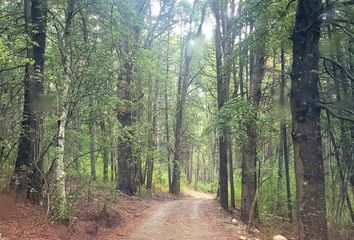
x: 195, y: 216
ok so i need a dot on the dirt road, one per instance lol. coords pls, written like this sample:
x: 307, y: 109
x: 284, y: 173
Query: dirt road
x: 188, y: 218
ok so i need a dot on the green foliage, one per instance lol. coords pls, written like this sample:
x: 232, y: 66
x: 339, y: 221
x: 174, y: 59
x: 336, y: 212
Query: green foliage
x: 206, y: 187
x: 236, y: 114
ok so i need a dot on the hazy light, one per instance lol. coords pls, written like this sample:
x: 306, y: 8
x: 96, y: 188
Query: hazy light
x: 208, y: 30
x: 155, y: 8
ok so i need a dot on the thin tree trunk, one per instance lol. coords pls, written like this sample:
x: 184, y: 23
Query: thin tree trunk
x: 249, y: 161
x: 92, y: 144
x: 113, y: 167
x: 283, y: 134
x: 151, y: 134
x: 287, y: 175
x: 231, y: 174
x: 197, y: 170
x: 58, y: 208
x: 104, y: 150
x: 167, y: 128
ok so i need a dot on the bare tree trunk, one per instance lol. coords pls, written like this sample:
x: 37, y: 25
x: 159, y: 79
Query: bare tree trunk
x: 309, y: 169
x: 283, y: 135
x: 280, y: 162
x: 223, y: 46
x: 104, y: 150
x: 249, y: 160
x: 183, y: 84
x: 27, y: 177
x: 167, y: 128
x: 126, y: 175
x: 113, y: 165
x: 151, y: 133
x: 181, y: 98
x: 231, y: 174
x: 58, y: 209
x: 92, y: 143
x: 190, y: 166
x: 197, y: 170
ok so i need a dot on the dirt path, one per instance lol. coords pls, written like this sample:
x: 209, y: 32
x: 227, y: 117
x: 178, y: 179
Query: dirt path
x: 189, y: 218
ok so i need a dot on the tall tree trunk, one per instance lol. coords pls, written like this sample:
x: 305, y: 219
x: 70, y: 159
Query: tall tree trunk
x: 223, y: 46
x: 113, y: 165
x: 125, y: 181
x: 283, y: 133
x: 126, y: 178
x: 181, y: 99
x: 309, y: 168
x: 287, y: 175
x: 27, y: 180
x: 167, y: 128
x: 231, y: 174
x: 197, y: 170
x: 151, y: 134
x: 183, y: 84
x: 92, y: 143
x: 91, y: 122
x: 104, y: 150
x: 249, y: 160
x: 58, y: 208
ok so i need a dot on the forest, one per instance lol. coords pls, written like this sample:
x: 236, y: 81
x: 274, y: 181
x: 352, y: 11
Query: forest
x: 248, y: 101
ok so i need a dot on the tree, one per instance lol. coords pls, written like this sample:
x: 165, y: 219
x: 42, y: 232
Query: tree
x: 184, y: 82
x: 223, y: 49
x: 128, y: 50
x: 27, y: 179
x: 58, y: 208
x: 306, y: 133
x: 249, y: 159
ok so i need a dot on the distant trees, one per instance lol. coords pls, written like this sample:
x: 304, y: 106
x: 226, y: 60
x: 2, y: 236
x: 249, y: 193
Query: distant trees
x: 120, y: 91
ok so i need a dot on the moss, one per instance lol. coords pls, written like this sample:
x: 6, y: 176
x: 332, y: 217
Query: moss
x: 59, y: 210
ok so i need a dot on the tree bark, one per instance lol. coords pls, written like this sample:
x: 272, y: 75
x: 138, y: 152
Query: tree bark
x: 151, y: 134
x: 27, y: 177
x: 167, y: 128
x: 126, y: 178
x: 182, y: 88
x: 249, y: 160
x: 181, y: 99
x: 92, y: 143
x: 306, y: 133
x: 58, y: 209
x: 231, y: 174
x: 284, y: 136
x: 105, y: 151
x: 223, y: 46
